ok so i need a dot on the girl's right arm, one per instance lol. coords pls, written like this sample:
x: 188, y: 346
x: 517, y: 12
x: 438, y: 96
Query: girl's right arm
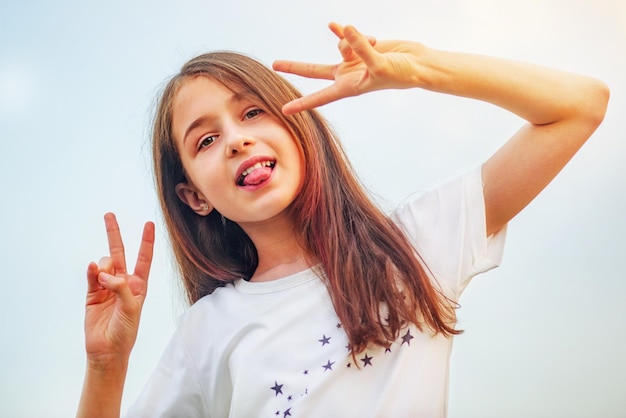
x: 562, y: 109
x: 113, y: 308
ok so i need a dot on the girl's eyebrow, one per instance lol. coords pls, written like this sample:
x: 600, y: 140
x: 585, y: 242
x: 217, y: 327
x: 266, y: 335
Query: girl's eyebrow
x: 197, y: 122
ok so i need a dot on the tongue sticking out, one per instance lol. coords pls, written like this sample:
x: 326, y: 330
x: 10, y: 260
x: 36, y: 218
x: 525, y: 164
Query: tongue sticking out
x: 257, y: 176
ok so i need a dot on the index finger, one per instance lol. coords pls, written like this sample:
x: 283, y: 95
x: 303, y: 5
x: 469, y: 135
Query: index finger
x: 116, y: 246
x: 144, y: 258
x: 306, y: 69
x: 313, y: 100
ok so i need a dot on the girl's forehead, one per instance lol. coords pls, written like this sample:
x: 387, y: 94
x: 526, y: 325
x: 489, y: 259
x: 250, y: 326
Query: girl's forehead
x: 198, y: 84
x: 209, y: 87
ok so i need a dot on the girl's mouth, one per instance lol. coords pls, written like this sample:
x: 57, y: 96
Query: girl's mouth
x: 256, y: 173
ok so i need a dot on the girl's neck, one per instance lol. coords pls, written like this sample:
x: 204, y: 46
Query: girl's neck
x: 280, y: 253
x: 266, y: 273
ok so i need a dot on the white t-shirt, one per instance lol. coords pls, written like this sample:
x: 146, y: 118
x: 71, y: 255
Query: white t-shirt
x: 277, y: 349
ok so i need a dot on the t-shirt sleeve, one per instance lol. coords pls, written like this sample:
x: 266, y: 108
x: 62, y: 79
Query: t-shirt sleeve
x: 447, y: 227
x: 173, y: 389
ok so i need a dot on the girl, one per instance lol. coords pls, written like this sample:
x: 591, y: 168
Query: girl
x: 306, y: 299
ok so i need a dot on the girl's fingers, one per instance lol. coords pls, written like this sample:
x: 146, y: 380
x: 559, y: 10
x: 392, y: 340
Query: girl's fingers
x: 92, y: 278
x: 361, y: 46
x: 305, y: 69
x: 116, y: 246
x: 313, y: 100
x: 118, y: 286
x: 354, y: 47
x: 343, y: 46
x: 106, y: 265
x: 337, y: 29
x: 345, y: 50
x: 144, y: 258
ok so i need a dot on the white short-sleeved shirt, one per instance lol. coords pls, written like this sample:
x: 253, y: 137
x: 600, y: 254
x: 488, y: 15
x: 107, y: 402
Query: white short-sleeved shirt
x: 277, y: 349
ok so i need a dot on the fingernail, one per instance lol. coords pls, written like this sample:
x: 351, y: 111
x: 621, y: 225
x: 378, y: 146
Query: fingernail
x: 103, y: 277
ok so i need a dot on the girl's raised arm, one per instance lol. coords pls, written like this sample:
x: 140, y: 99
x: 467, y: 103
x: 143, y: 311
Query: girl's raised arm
x: 114, y: 302
x: 562, y: 109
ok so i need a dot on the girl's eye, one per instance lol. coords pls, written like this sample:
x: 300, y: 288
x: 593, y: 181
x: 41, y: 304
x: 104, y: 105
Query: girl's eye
x: 207, y: 141
x: 252, y: 113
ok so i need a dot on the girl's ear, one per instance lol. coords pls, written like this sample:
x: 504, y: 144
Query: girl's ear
x: 189, y: 196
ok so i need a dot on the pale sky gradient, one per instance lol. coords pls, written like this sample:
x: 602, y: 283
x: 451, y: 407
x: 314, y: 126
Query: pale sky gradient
x: 545, y: 333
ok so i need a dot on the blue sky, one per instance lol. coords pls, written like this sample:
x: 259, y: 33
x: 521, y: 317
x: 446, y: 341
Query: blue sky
x: 545, y: 333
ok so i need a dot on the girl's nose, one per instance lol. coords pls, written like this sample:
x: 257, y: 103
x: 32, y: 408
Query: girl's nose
x: 238, y: 143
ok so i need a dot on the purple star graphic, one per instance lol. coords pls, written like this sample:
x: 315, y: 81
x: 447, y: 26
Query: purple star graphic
x: 328, y: 366
x: 277, y: 388
x: 367, y: 361
x: 306, y: 372
x: 388, y: 349
x: 406, y: 338
x: 338, y: 325
x: 287, y: 413
x: 325, y: 340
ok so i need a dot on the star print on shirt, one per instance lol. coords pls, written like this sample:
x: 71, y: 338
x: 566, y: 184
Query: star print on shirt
x: 287, y: 413
x: 325, y: 340
x: 406, y: 338
x: 328, y: 366
x: 277, y: 388
x: 367, y: 360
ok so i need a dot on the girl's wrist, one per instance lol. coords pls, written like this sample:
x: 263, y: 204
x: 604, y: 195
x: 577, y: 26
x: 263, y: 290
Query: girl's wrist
x: 428, y: 69
x: 108, y: 363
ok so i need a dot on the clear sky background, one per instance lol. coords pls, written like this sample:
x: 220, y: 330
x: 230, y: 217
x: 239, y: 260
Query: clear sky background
x: 545, y: 333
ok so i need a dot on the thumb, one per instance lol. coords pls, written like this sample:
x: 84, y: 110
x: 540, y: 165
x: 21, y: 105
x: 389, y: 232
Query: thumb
x: 118, y: 286
x: 361, y: 45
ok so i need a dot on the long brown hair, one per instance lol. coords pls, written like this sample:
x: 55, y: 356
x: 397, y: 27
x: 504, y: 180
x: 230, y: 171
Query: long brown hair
x: 372, y: 272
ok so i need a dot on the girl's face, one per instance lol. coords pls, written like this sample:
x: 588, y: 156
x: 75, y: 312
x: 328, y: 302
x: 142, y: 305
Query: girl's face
x: 238, y: 159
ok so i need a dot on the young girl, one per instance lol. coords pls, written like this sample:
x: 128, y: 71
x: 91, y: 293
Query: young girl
x: 306, y: 299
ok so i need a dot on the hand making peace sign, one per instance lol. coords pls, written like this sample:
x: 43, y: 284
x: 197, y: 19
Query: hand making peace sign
x: 114, y: 297
x: 367, y: 65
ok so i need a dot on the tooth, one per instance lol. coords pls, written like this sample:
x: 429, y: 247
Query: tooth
x: 256, y: 166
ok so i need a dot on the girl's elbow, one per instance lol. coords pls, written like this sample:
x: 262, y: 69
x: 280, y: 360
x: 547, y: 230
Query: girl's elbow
x: 597, y: 102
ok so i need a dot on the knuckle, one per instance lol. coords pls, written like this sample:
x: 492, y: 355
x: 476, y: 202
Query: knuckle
x: 144, y: 258
x: 116, y: 247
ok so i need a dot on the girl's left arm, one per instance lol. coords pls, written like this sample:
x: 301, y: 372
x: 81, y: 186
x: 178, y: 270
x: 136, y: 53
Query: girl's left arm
x: 562, y: 109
